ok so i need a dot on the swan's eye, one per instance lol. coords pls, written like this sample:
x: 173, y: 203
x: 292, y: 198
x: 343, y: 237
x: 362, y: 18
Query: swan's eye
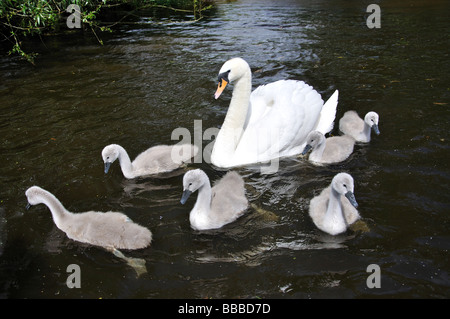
x: 190, y: 184
x: 345, y: 185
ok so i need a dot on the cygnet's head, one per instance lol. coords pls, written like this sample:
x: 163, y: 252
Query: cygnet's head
x: 33, y: 195
x: 343, y: 184
x: 192, y: 181
x: 230, y: 71
x: 314, y: 139
x: 109, y: 154
x: 372, y: 119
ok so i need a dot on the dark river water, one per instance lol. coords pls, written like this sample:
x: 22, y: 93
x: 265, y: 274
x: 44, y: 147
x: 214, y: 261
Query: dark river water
x: 149, y: 79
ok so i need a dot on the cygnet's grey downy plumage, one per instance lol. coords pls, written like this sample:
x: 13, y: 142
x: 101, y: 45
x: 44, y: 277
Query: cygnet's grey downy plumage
x: 155, y: 160
x: 335, y: 208
x: 110, y: 230
x: 352, y: 125
x: 328, y: 150
x: 216, y: 206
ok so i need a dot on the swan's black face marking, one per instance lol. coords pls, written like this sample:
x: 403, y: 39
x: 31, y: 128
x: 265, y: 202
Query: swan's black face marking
x: 223, y: 81
x: 223, y: 77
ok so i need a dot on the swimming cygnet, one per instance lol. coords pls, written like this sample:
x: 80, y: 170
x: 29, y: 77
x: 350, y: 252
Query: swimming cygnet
x: 110, y: 230
x: 352, y: 125
x: 326, y: 151
x: 335, y: 208
x: 155, y: 160
x: 216, y: 206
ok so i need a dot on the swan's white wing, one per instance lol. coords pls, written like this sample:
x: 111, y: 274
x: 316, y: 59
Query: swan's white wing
x: 328, y: 114
x: 280, y: 116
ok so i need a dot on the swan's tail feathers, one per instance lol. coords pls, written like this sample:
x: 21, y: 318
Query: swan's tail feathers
x: 138, y: 264
x: 328, y: 114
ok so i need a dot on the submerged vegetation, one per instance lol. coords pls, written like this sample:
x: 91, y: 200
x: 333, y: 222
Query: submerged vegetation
x: 21, y: 19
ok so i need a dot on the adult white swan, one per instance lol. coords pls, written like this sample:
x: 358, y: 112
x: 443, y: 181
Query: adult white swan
x: 270, y: 122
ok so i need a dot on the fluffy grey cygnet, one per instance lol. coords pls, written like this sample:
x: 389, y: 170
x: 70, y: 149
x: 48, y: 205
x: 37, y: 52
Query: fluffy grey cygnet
x: 335, y: 208
x: 328, y: 150
x: 216, y: 206
x: 110, y: 230
x: 352, y: 125
x: 155, y: 160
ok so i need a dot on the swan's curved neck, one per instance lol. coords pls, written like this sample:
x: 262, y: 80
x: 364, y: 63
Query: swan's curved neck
x: 199, y: 216
x: 203, y: 203
x: 366, y: 130
x: 335, y: 211
x: 59, y: 213
x: 125, y: 162
x: 316, y: 154
x: 232, y: 128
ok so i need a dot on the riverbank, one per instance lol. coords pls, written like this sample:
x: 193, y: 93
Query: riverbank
x: 24, y: 20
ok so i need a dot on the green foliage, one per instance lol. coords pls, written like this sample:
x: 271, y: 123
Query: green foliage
x: 20, y: 19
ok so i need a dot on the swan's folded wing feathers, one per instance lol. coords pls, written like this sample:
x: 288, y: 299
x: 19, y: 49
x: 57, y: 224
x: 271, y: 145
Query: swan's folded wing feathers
x: 351, y: 123
x: 318, y: 206
x: 229, y: 201
x: 350, y: 212
x: 338, y: 148
x: 305, y: 117
x: 328, y: 114
x: 159, y: 158
x: 279, y: 120
x: 109, y: 229
x: 261, y: 101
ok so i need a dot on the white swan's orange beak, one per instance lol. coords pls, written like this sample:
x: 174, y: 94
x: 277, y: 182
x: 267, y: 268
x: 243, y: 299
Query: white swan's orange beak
x: 222, y: 84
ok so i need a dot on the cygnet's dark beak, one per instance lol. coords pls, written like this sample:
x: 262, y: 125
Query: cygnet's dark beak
x: 306, y: 149
x: 351, y: 198
x: 185, y: 196
x: 28, y: 206
x: 375, y: 129
x: 107, y: 165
